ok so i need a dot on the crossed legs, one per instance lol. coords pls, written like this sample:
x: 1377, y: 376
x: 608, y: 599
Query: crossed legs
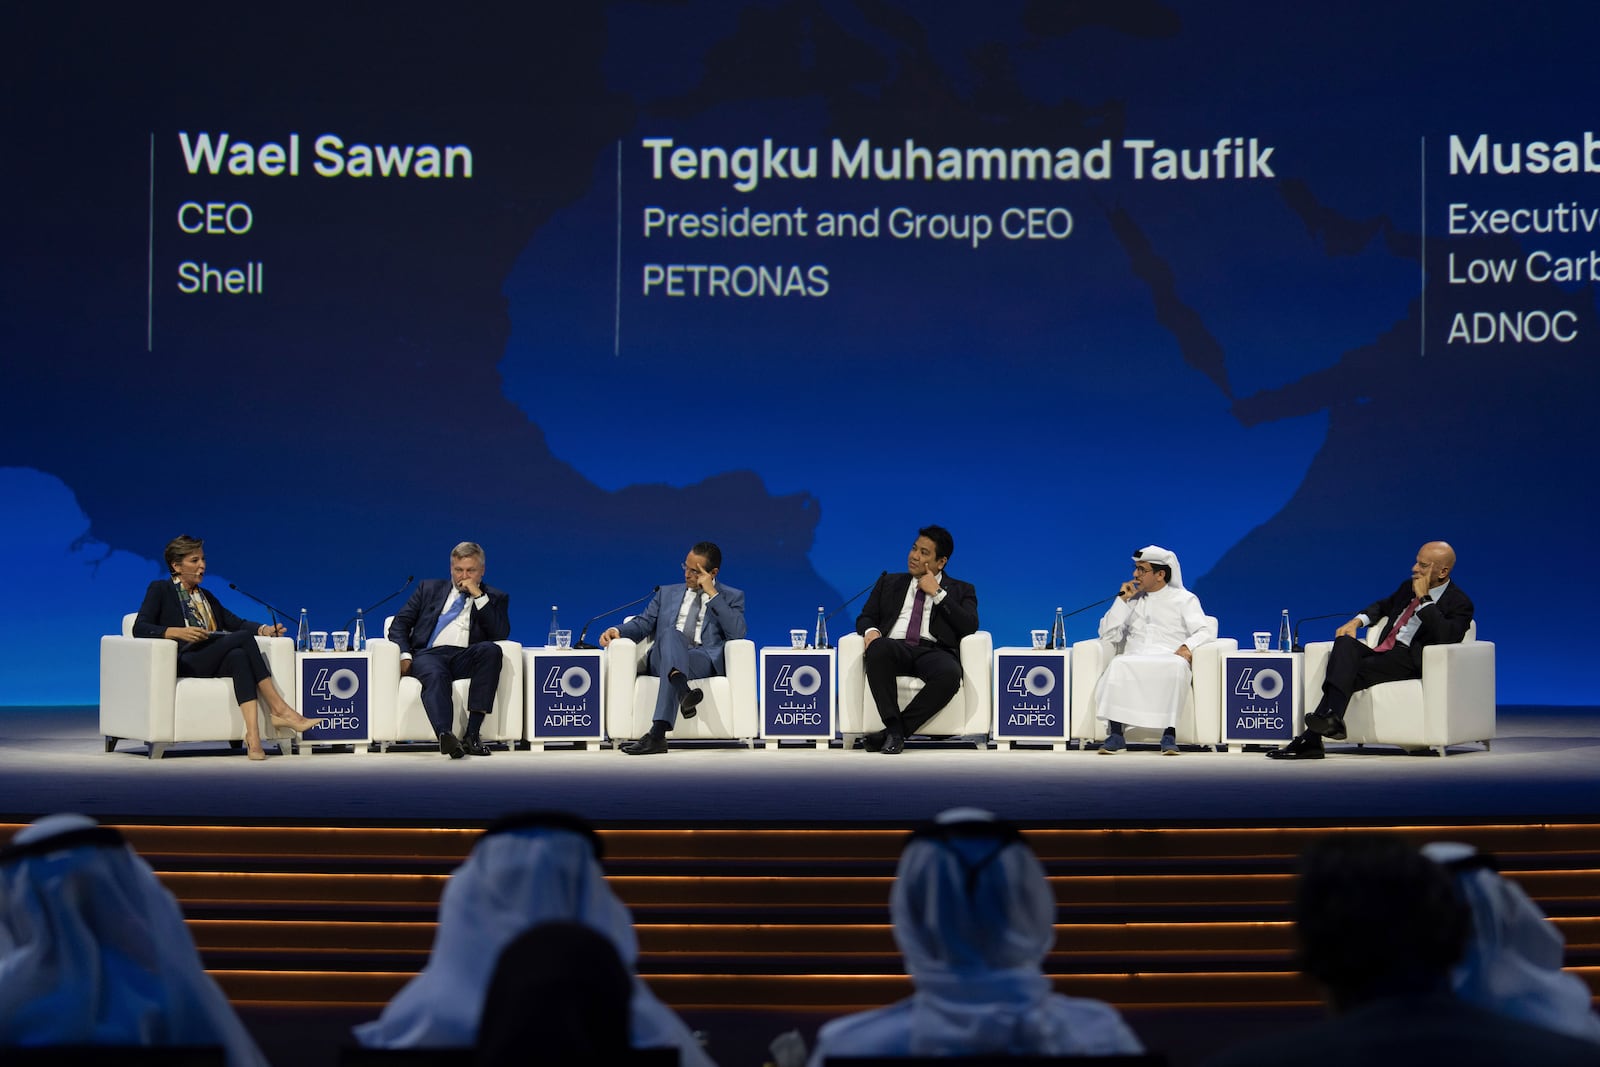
x: 237, y: 656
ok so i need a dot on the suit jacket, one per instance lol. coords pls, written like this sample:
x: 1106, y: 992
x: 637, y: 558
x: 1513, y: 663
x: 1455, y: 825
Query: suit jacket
x: 412, y: 628
x: 1442, y: 623
x: 723, y: 614
x: 953, y: 618
x: 162, y: 608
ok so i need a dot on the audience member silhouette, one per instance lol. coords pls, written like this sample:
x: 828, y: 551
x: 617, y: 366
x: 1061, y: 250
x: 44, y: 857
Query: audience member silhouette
x: 559, y: 996
x: 1380, y: 928
x: 525, y: 870
x: 94, y: 951
x: 1513, y: 957
x: 974, y: 917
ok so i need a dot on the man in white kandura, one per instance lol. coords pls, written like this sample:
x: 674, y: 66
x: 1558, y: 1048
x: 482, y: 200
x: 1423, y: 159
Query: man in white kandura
x: 1152, y: 629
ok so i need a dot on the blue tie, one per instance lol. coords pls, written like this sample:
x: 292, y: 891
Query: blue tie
x: 448, y: 617
x: 690, y: 619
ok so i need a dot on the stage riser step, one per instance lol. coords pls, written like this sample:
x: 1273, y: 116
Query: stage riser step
x: 354, y: 890
x: 1075, y: 940
x: 848, y: 992
x: 768, y: 918
x: 318, y: 845
x: 719, y: 990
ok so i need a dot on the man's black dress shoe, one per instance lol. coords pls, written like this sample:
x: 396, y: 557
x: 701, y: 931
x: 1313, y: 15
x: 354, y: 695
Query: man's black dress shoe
x: 873, y: 742
x: 449, y: 746
x: 1327, y: 726
x: 894, y: 743
x: 474, y: 747
x: 648, y: 745
x: 1306, y: 746
x: 689, y: 702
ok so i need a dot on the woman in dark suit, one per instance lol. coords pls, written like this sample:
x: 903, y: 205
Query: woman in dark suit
x: 213, y: 642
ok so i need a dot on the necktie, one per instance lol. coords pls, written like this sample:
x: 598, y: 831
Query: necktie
x: 691, y: 619
x: 447, y: 617
x: 1405, y: 616
x: 914, y: 627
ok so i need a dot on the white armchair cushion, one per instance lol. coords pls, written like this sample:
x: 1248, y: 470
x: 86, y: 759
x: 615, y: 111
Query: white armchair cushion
x: 728, y: 711
x: 1451, y: 704
x: 970, y: 713
x: 143, y: 699
x: 396, y: 713
x: 1200, y: 722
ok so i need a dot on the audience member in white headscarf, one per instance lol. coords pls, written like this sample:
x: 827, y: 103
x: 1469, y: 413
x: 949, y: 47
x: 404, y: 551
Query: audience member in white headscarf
x: 93, y: 949
x: 1512, y: 963
x: 974, y: 917
x: 525, y: 870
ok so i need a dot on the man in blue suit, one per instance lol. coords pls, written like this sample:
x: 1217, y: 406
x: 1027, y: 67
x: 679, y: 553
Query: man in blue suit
x: 448, y: 630
x: 690, y: 622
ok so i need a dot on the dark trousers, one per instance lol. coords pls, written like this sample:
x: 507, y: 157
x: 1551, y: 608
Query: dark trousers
x: 887, y: 659
x: 1352, y: 666
x: 671, y: 652
x: 436, y: 668
x: 234, y: 655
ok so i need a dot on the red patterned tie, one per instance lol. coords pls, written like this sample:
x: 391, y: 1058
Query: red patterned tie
x: 1405, y: 616
x: 914, y: 627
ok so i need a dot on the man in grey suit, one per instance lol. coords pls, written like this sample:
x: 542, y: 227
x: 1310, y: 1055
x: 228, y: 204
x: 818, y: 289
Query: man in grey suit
x: 691, y: 622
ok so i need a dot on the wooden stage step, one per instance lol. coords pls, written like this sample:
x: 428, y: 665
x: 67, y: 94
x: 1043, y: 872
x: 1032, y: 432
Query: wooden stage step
x: 749, y: 918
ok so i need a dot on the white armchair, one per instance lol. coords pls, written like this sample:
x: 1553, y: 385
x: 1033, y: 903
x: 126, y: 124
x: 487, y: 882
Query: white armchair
x: 970, y: 712
x: 143, y: 699
x: 395, y: 712
x: 728, y: 711
x: 1200, y: 722
x: 1451, y: 704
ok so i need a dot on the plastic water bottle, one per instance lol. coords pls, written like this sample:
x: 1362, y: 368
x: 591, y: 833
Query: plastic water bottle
x: 550, y: 642
x: 358, y: 639
x: 1058, y: 631
x: 1284, y: 640
x: 302, y: 640
x: 820, y: 639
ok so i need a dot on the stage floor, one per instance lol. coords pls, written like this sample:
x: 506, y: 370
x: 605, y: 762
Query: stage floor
x: 1542, y: 766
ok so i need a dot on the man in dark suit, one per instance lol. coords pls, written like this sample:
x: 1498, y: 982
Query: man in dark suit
x: 447, y: 631
x: 1430, y: 609
x: 1379, y: 927
x: 690, y: 622
x: 913, y: 624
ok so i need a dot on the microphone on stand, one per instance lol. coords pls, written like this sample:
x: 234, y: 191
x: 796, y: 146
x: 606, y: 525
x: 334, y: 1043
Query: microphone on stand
x: 368, y: 609
x: 274, y: 612
x: 583, y: 643
x: 1080, y: 611
x: 1097, y: 603
x: 852, y: 600
x: 1297, y: 646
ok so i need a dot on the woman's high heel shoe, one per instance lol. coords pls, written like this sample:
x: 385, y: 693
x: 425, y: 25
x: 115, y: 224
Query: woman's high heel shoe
x: 293, y: 720
x: 253, y: 749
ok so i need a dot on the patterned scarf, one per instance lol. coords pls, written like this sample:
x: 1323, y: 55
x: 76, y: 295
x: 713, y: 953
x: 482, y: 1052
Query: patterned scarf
x: 196, y: 611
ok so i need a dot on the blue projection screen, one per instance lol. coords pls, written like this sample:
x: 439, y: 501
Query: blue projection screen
x: 1287, y: 289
